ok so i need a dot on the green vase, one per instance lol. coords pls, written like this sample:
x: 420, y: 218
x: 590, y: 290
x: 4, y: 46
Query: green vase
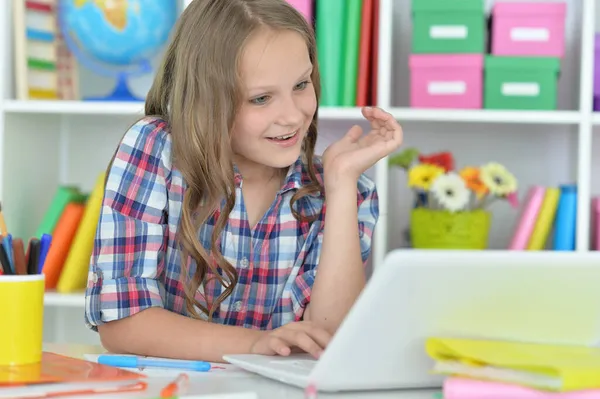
x: 439, y: 229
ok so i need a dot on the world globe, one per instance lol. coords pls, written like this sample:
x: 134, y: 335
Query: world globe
x: 116, y: 38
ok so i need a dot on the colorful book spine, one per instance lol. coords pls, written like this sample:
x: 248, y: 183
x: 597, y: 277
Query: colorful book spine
x: 545, y: 219
x: 566, y: 217
x: 351, y: 52
x: 331, y: 42
x: 528, y: 218
x: 464, y: 388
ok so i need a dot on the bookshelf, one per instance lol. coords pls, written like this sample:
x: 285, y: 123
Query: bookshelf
x: 44, y: 143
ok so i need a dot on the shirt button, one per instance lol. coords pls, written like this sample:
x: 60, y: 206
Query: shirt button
x: 95, y: 278
x: 237, y: 306
x: 244, y: 262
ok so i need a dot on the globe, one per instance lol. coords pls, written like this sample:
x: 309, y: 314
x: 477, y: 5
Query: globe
x: 116, y: 38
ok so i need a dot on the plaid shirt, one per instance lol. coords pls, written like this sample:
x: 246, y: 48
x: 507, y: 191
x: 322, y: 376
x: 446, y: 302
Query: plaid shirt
x: 136, y: 264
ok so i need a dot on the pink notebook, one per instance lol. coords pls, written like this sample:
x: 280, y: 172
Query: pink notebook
x: 526, y: 223
x: 304, y: 6
x: 464, y: 388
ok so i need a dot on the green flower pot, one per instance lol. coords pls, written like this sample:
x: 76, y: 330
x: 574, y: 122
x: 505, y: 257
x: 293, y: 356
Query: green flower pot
x: 439, y: 229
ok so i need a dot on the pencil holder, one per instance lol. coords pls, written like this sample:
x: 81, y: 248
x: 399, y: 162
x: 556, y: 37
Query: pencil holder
x: 21, y: 319
x: 441, y: 229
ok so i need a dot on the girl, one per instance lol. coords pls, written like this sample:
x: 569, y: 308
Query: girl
x: 217, y: 214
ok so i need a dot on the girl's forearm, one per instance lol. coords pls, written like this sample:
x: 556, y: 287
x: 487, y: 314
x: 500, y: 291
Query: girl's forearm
x: 161, y: 333
x: 340, y: 276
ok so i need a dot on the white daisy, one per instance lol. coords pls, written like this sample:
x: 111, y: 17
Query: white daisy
x: 450, y: 191
x: 498, y: 179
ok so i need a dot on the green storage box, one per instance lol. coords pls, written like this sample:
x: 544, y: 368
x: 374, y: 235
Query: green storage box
x: 524, y: 83
x: 448, y: 26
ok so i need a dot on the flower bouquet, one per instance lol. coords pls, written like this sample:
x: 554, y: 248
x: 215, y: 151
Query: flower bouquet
x: 451, y: 207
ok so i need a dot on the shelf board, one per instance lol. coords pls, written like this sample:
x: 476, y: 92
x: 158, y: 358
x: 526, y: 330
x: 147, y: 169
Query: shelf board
x: 486, y: 116
x: 130, y: 108
x: 74, y: 107
x: 596, y: 118
x: 74, y: 300
x: 325, y: 113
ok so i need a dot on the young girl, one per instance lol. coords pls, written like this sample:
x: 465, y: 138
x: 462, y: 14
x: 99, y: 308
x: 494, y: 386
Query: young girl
x: 221, y: 231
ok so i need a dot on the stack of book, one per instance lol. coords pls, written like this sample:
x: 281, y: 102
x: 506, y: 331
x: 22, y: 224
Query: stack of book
x: 347, y: 43
x: 71, y: 220
x: 486, y: 369
x: 547, y: 209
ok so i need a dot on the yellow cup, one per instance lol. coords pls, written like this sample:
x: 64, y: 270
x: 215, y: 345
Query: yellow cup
x: 21, y: 319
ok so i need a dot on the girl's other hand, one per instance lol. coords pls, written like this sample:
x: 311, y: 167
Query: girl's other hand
x: 302, y: 336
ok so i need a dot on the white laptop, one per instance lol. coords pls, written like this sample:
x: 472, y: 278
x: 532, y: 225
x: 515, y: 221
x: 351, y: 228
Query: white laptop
x: 540, y: 296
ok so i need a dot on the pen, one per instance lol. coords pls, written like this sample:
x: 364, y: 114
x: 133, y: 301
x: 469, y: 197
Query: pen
x: 141, y: 362
x: 5, y: 262
x: 33, y: 255
x: 45, y: 242
x: 176, y: 388
x: 3, y: 229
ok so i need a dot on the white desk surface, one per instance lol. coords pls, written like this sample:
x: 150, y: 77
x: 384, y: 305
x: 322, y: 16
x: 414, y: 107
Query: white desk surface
x: 225, y: 385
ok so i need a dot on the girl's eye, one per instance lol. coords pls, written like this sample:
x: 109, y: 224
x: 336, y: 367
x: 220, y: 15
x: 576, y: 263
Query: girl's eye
x: 260, y: 100
x: 302, y: 85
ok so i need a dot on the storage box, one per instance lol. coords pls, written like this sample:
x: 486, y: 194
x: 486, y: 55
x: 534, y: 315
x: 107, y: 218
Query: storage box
x: 448, y: 26
x: 446, y: 81
x: 528, y: 29
x: 521, y: 82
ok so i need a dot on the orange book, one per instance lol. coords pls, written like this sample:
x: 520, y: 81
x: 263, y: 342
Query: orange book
x: 61, y: 242
x: 364, y: 54
x: 58, y: 375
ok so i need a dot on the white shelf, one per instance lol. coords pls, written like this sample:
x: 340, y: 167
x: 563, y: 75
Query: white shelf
x: 326, y: 113
x: 486, y: 116
x: 73, y: 107
x: 75, y: 300
x: 596, y: 118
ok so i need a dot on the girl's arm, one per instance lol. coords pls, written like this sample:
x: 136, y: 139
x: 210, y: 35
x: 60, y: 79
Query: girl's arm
x: 161, y: 333
x: 341, y: 276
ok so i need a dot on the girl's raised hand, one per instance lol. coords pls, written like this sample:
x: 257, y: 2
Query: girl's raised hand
x: 356, y: 152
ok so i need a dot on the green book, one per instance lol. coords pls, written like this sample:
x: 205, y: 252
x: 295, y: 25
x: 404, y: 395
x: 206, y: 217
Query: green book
x: 330, y: 33
x: 63, y: 196
x: 351, y: 52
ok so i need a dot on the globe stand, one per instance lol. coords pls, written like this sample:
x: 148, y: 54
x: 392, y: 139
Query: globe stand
x: 120, y: 93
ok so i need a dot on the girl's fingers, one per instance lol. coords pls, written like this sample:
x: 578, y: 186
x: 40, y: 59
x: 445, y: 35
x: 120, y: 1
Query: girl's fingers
x: 302, y: 340
x: 279, y: 346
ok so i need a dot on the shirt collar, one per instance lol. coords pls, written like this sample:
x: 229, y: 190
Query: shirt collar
x: 293, y: 178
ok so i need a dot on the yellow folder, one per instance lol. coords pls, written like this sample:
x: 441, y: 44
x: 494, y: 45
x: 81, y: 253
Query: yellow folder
x: 558, y: 368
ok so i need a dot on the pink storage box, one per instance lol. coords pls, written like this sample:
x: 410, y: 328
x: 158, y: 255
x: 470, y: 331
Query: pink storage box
x: 446, y: 81
x: 529, y: 29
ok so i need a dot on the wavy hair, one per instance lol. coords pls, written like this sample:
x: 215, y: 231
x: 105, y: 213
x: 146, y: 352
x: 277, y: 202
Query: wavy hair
x: 197, y: 91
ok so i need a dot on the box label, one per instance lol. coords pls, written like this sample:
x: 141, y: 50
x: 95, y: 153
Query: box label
x: 521, y: 89
x: 529, y: 34
x: 448, y: 31
x: 446, y: 88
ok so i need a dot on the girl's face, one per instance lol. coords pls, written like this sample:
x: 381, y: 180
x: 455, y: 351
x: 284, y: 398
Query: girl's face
x: 279, y: 100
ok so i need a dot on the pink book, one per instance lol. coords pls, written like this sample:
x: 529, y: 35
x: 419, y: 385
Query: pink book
x: 528, y: 218
x: 304, y: 6
x: 596, y: 220
x: 464, y: 388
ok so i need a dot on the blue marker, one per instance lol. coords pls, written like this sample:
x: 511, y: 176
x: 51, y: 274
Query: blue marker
x: 45, y: 242
x: 142, y: 362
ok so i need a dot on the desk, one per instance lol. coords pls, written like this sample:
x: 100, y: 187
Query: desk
x: 208, y: 383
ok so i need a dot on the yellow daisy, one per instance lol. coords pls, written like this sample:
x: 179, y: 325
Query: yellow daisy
x: 498, y: 179
x: 422, y: 175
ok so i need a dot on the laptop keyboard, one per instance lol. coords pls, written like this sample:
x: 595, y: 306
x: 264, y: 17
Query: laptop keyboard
x: 304, y: 364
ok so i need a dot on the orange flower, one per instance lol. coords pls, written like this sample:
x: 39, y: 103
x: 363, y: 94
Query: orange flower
x: 471, y: 177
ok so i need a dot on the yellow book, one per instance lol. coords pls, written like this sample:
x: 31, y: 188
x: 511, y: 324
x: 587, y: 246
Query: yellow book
x: 559, y: 368
x: 75, y: 270
x: 544, y: 221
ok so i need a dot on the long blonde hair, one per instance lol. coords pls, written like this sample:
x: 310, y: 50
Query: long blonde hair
x: 197, y: 91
